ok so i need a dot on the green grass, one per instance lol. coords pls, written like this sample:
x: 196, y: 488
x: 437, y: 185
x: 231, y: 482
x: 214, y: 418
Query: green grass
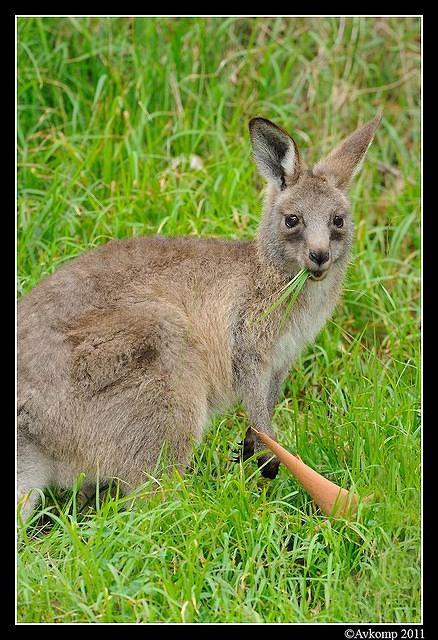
x: 111, y: 113
x: 289, y: 293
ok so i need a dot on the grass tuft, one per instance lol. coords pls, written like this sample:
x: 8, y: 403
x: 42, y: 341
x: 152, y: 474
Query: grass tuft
x: 290, y: 293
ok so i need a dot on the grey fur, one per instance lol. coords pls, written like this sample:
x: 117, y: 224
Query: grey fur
x: 142, y: 341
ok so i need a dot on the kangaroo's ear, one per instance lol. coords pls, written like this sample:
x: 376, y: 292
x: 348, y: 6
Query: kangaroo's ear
x: 275, y: 153
x: 345, y: 161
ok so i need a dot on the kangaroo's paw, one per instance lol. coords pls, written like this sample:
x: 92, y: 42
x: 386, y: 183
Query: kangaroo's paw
x: 269, y: 464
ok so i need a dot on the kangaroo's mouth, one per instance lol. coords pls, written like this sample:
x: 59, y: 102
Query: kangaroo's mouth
x: 318, y: 275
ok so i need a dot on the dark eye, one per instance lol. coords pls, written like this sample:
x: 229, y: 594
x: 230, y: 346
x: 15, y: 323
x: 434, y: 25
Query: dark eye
x: 338, y: 221
x: 291, y: 221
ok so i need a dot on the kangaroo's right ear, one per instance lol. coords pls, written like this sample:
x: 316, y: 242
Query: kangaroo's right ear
x: 275, y: 153
x: 344, y: 161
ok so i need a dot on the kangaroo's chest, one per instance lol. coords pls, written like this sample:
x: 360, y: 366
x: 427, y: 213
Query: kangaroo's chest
x: 305, y: 322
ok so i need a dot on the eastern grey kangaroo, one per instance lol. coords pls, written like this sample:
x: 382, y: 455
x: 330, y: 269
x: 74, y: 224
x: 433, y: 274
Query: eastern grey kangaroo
x: 138, y: 343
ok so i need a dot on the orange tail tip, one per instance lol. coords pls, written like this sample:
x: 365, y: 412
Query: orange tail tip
x: 332, y: 499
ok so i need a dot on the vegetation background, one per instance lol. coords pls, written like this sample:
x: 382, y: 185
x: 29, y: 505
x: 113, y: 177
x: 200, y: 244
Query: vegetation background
x: 129, y: 126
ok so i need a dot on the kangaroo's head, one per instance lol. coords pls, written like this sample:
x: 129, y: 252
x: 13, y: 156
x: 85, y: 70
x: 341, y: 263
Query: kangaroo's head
x: 307, y: 222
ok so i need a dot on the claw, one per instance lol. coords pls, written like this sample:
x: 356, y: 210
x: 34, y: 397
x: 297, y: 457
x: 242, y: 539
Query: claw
x: 236, y: 454
x: 244, y: 451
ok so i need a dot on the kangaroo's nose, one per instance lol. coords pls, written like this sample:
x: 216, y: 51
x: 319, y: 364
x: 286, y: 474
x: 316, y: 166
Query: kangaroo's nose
x: 320, y: 257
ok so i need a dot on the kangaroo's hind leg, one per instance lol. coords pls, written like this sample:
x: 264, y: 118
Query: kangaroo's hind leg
x: 142, y: 387
x: 134, y: 428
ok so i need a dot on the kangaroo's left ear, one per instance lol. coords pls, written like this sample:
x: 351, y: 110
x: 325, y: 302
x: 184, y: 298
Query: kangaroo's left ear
x: 275, y: 152
x: 345, y: 160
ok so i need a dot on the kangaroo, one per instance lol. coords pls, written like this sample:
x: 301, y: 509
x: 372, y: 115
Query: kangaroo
x: 138, y: 343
